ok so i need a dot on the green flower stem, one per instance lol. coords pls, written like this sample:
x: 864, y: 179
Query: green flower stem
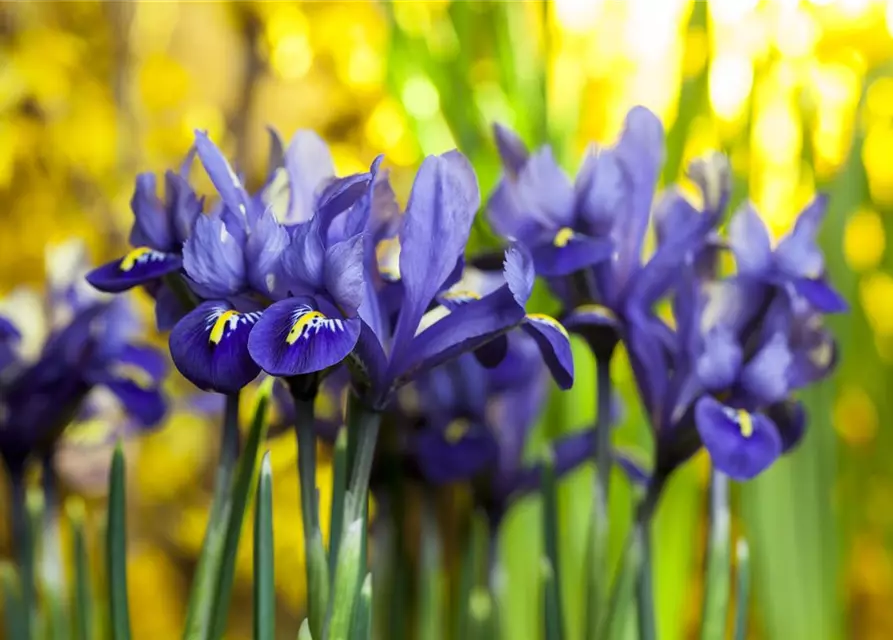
x: 642, y: 540
x: 13, y: 613
x: 264, y: 577
x: 362, y: 629
x: 742, y: 589
x: 83, y: 597
x: 430, y: 576
x: 52, y: 581
x: 304, y: 390
x: 232, y: 533
x: 116, y: 549
x: 552, y: 591
x: 24, y: 545
x: 717, y: 583
x: 597, y: 575
x: 364, y: 424
x: 199, y: 608
x: 339, y: 486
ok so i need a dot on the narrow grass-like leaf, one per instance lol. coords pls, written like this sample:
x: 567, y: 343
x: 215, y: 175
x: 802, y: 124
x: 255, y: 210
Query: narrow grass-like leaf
x: 264, y: 576
x: 742, y: 588
x: 82, y: 605
x: 116, y: 548
x: 362, y: 629
x: 551, y: 612
x: 241, y: 491
x: 430, y: 577
x: 717, y: 582
x: 318, y: 582
x: 304, y: 631
x: 622, y: 591
x: 550, y: 548
x: 23, y: 540
x: 339, y: 486
x: 480, y: 615
x: 470, y: 571
x: 204, y: 583
x: 347, y: 575
x: 13, y: 611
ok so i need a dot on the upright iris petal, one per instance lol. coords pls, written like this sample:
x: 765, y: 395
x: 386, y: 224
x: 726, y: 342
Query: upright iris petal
x: 214, y: 259
x: 210, y: 347
x: 740, y: 444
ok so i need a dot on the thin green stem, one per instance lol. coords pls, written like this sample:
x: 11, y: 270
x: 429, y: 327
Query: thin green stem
x: 116, y: 549
x: 203, y: 586
x: 365, y: 424
x: 264, y: 578
x: 52, y: 580
x: 742, y: 590
x: 552, y: 591
x: 339, y: 486
x: 644, y: 582
x: 24, y: 545
x: 717, y: 583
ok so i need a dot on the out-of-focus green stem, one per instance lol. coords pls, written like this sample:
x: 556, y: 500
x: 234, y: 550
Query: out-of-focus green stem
x: 52, y: 580
x: 199, y: 608
x: 552, y: 590
x: 83, y: 597
x: 116, y: 549
x: 14, y: 613
x: 339, y: 486
x: 362, y: 629
x: 717, y: 583
x: 430, y: 576
x: 480, y: 615
x: 742, y: 590
x: 264, y: 576
x: 642, y: 540
x: 24, y: 545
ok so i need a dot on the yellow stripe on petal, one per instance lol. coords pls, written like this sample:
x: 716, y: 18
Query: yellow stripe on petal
x: 596, y: 310
x: 456, y: 430
x: 461, y: 294
x: 387, y: 255
x: 220, y: 325
x: 563, y: 236
x: 745, y: 423
x: 298, y: 328
x: 548, y: 320
x: 133, y: 257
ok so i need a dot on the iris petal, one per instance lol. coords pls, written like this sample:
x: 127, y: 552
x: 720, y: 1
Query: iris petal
x: 554, y: 343
x: 720, y: 360
x: 225, y: 180
x: 214, y: 259
x: 567, y: 254
x: 210, y: 347
x: 138, y: 267
x: 766, y: 376
x: 822, y: 296
x: 298, y: 336
x: 740, y: 444
x: 750, y: 242
x: 146, y: 404
x: 511, y: 149
x: 151, y: 225
x: 457, y: 453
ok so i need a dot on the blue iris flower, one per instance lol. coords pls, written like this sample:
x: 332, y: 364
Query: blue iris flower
x: 411, y: 319
x: 587, y: 238
x: 248, y: 251
x: 90, y: 345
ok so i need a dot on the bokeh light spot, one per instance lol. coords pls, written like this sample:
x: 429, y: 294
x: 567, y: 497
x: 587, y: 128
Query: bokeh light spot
x: 420, y: 97
x: 731, y: 78
x: 876, y: 294
x: 864, y: 240
x: 855, y: 416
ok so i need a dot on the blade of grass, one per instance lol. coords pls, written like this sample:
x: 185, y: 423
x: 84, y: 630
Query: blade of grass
x: 116, y: 548
x: 742, y: 589
x: 82, y: 609
x: 264, y: 577
x: 13, y: 611
x: 241, y: 491
x: 347, y: 575
x: 363, y: 619
x: 717, y: 582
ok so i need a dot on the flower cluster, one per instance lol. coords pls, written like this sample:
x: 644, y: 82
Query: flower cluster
x: 721, y: 370
x: 314, y: 270
x: 69, y: 356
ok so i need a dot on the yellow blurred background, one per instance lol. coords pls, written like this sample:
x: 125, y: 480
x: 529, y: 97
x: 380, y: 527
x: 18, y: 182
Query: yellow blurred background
x: 93, y: 92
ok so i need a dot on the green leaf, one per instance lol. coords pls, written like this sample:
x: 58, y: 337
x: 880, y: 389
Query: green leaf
x: 481, y: 615
x: 82, y: 613
x: 742, y: 590
x: 23, y: 541
x: 318, y: 582
x: 347, y: 576
x: 116, y: 549
x: 717, y: 583
x: 552, y: 593
x: 613, y: 625
x: 241, y: 491
x: 13, y: 611
x: 198, y: 611
x: 304, y: 631
x: 264, y: 577
x: 430, y: 576
x: 339, y: 486
x: 363, y: 619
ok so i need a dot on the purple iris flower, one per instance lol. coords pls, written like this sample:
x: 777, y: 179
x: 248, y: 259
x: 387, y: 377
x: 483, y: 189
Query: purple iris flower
x: 469, y: 423
x: 160, y: 230
x: 796, y: 261
x: 412, y: 319
x: 251, y: 250
x: 90, y: 346
x: 587, y: 238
